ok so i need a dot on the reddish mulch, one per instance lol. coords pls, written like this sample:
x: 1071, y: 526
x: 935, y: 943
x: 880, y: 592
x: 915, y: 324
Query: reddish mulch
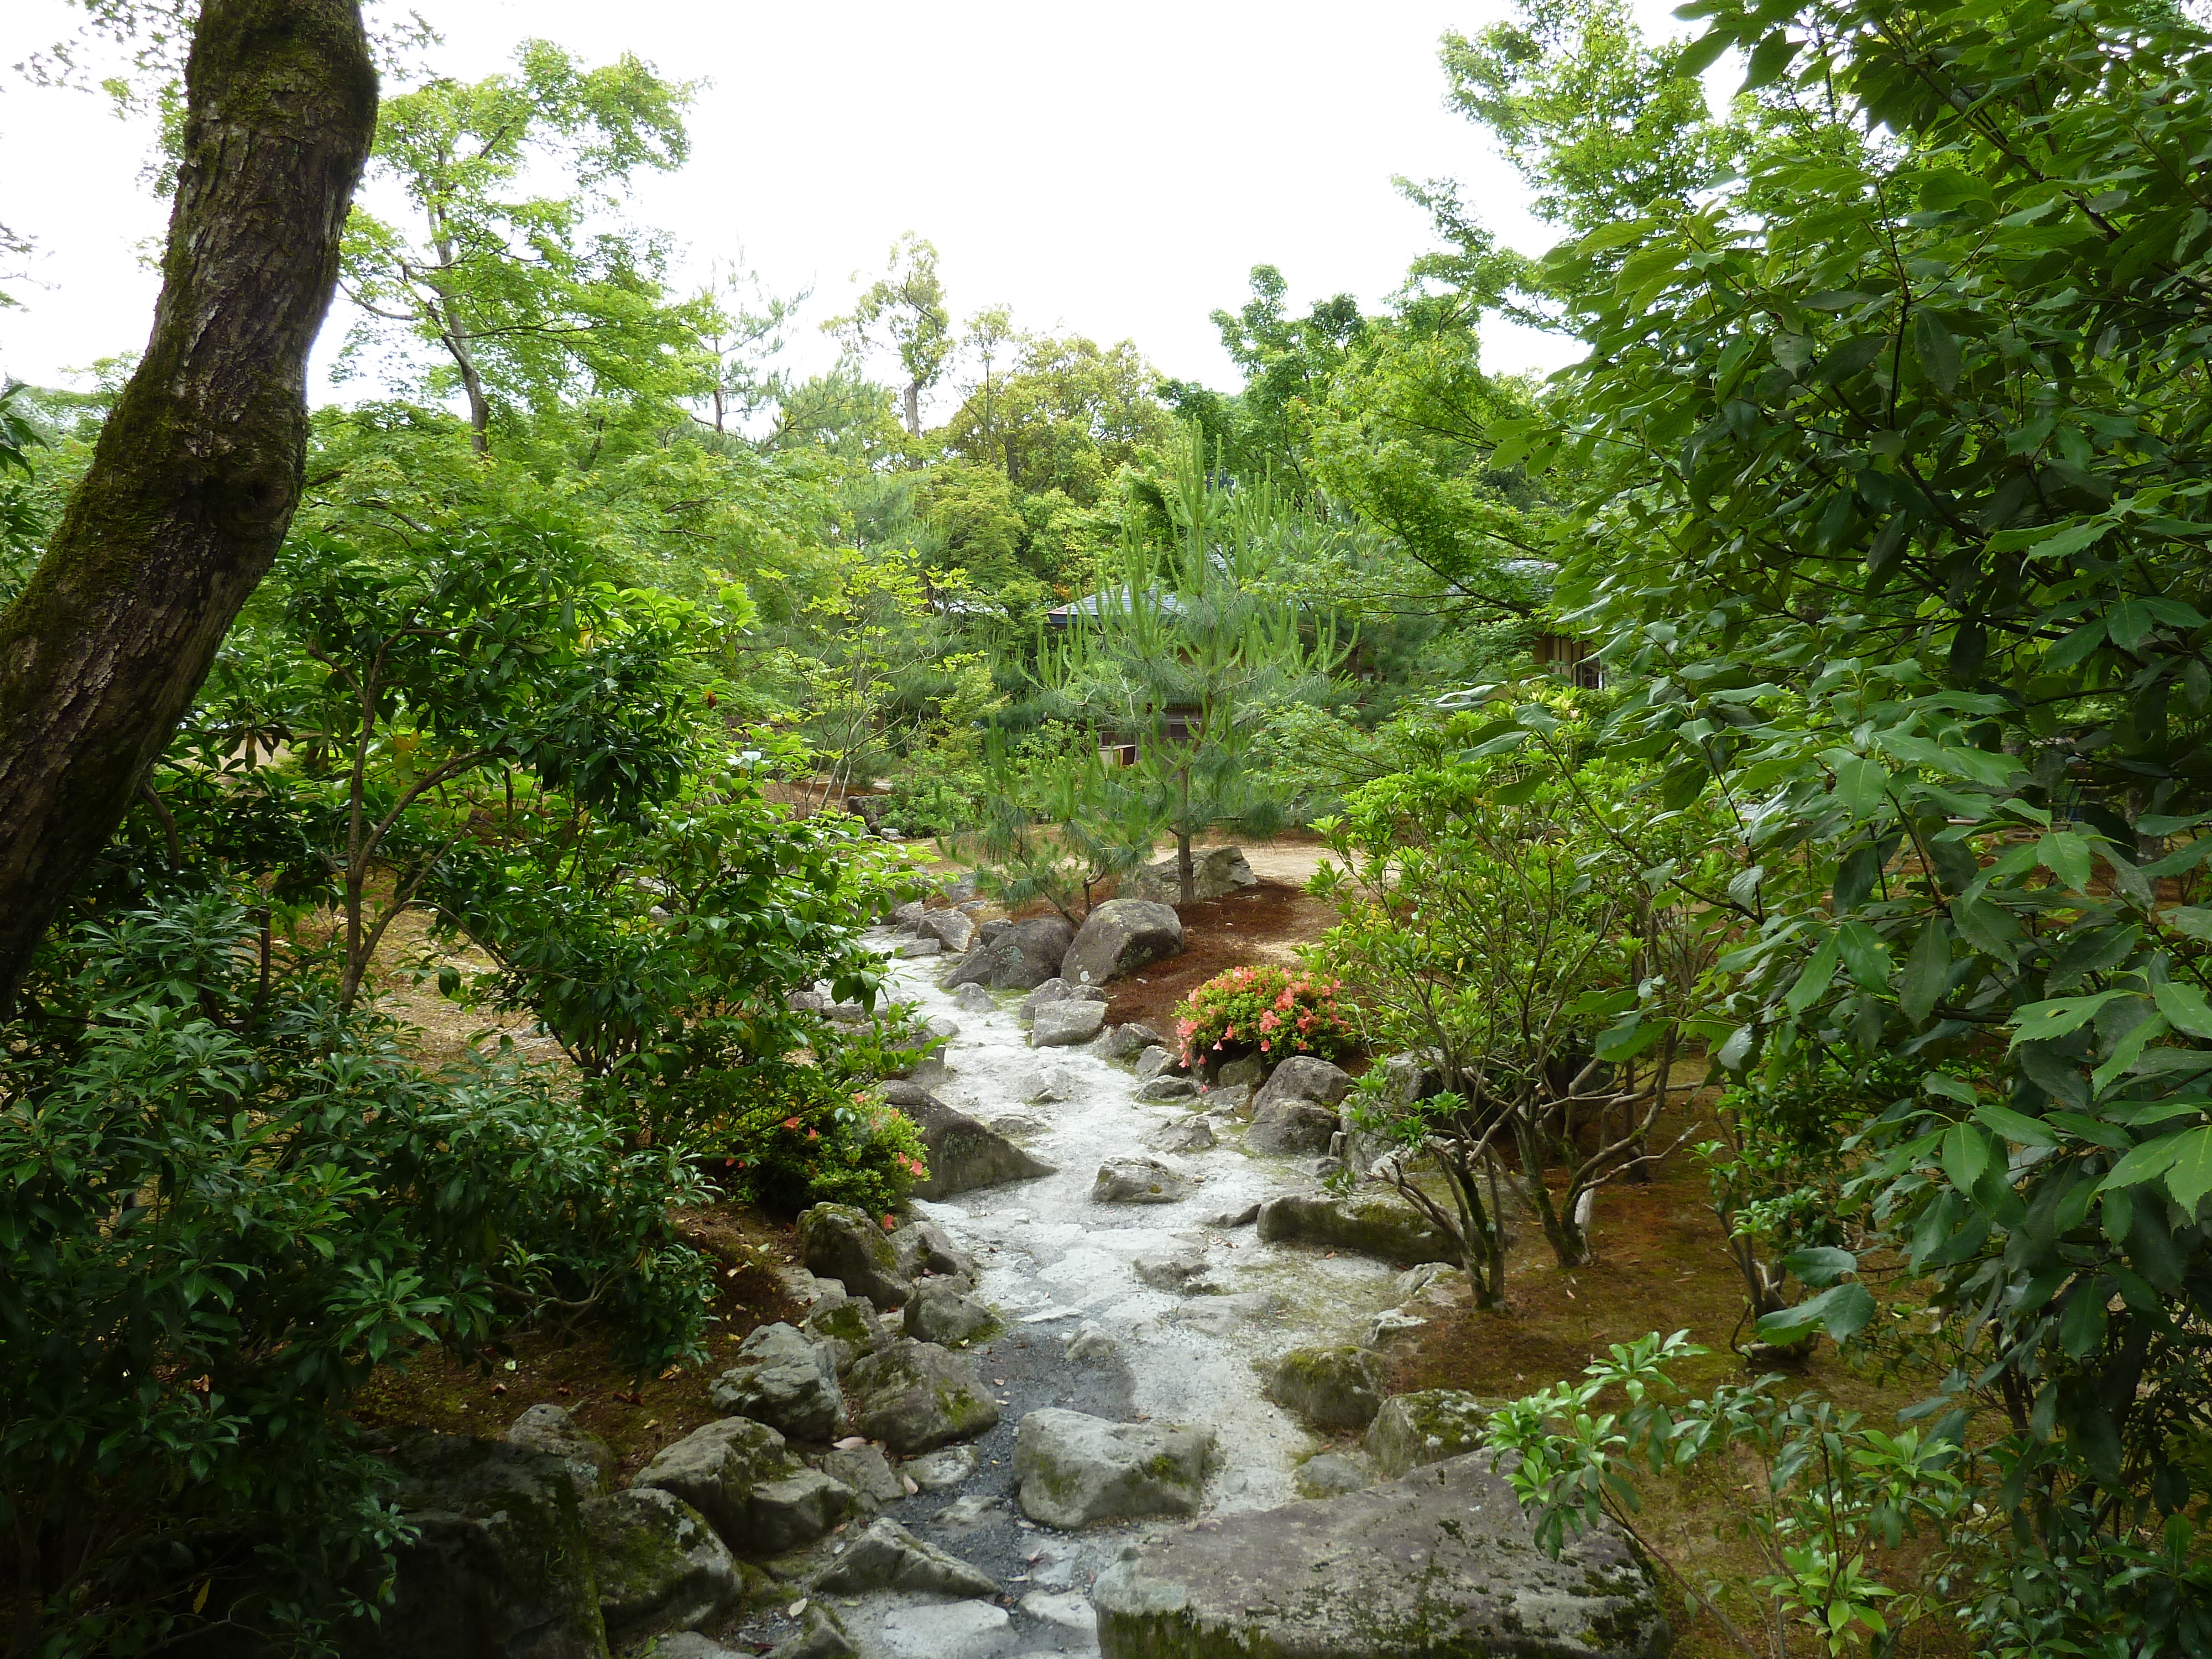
x: 1219, y: 934
x: 636, y: 1416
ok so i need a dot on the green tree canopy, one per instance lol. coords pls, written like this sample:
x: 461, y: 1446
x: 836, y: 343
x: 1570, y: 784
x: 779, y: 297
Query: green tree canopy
x: 524, y: 301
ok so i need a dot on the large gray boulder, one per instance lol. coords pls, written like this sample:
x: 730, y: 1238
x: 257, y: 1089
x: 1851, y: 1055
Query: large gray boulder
x: 868, y: 1473
x: 1155, y: 1059
x: 847, y: 1328
x: 948, y: 927
x: 1190, y: 1135
x: 499, y: 1562
x: 923, y: 1246
x: 1378, y: 1224
x: 1063, y: 1025
x: 1186, y: 1272
x: 1167, y: 1086
x: 965, y: 1154
x: 660, y: 1566
x: 787, y: 1380
x: 1217, y: 873
x: 1048, y: 1083
x: 1338, y: 1388
x: 915, y: 1396
x: 741, y: 1476
x: 843, y: 1242
x: 1443, y: 1564
x: 888, y: 1556
x: 1128, y: 1041
x: 1073, y: 1469
x: 974, y: 1000
x: 939, y: 1312
x: 546, y: 1427
x: 1289, y: 1127
x: 1304, y: 1079
x: 1138, y: 1180
x: 820, y: 1636
x: 1057, y: 989
x: 1118, y: 937
x: 1020, y: 959
x: 1416, y: 1429
x: 690, y: 1644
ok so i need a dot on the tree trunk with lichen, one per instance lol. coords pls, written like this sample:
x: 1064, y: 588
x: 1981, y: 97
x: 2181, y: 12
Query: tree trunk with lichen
x: 199, y: 468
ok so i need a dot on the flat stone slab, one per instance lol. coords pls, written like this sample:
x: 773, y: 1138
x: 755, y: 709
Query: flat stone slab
x: 1373, y: 1223
x: 1441, y: 1564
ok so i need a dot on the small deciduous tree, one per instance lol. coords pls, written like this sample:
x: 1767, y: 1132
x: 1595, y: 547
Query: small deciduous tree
x: 905, y: 309
x: 1490, y: 925
x: 496, y: 658
x: 524, y: 297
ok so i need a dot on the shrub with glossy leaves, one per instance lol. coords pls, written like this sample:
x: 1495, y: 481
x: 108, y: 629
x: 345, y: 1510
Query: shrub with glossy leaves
x: 226, y: 1202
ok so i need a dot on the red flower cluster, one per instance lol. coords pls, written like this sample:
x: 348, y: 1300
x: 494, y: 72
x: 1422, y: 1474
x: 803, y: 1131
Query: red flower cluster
x: 1270, y: 1008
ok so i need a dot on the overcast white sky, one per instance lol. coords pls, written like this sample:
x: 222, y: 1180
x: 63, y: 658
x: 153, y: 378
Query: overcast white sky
x: 1109, y: 170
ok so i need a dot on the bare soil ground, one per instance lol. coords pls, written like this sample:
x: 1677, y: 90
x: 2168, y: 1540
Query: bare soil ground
x: 636, y: 1415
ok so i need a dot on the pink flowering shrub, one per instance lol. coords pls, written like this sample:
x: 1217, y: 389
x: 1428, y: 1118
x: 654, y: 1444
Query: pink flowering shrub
x: 1272, y: 1011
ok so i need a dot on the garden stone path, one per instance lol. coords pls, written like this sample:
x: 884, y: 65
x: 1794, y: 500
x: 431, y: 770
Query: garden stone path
x: 1054, y: 1262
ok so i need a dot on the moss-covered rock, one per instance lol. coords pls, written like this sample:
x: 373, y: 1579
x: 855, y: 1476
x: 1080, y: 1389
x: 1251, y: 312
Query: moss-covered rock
x: 1073, y: 1469
x: 660, y: 1567
x: 1378, y: 1224
x: 1443, y: 1564
x: 938, y: 1312
x: 914, y: 1396
x: 888, y: 1556
x: 1338, y: 1388
x: 549, y: 1428
x: 839, y: 1242
x: 868, y: 1473
x: 786, y: 1379
x: 1138, y: 1180
x: 500, y: 1563
x: 1428, y: 1427
x: 850, y: 1330
x: 741, y: 1476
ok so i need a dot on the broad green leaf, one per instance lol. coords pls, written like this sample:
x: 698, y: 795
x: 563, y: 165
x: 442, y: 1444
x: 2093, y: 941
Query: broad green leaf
x: 1628, y: 1039
x: 2015, y: 1127
x: 2184, y: 1007
x: 2082, y: 1327
x: 1617, y: 234
x: 1821, y: 1266
x: 1865, y: 956
x: 1977, y: 765
x: 2127, y: 1051
x: 1951, y: 1088
x: 1967, y: 1153
x: 2069, y: 541
x: 2066, y: 856
x: 1938, y: 352
x: 2040, y: 1022
x: 1925, y: 970
x: 1813, y: 984
x: 2194, y: 921
x: 2189, y: 1175
x: 1863, y: 786
x: 2146, y: 1162
x: 1844, y: 1312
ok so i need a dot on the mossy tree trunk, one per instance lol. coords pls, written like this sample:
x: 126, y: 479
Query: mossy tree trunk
x: 200, y: 469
